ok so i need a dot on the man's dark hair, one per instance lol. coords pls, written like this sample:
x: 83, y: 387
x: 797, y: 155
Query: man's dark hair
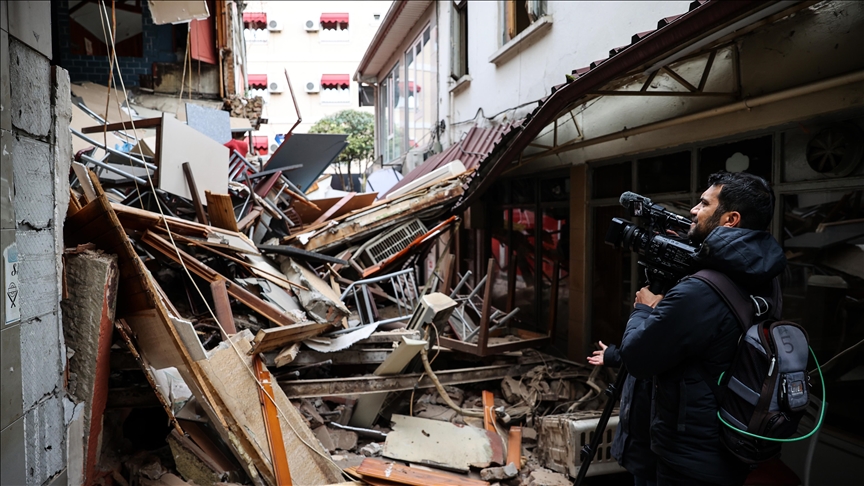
x: 748, y: 194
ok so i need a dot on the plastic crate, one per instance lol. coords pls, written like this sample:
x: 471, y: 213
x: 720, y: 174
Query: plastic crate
x: 561, y: 437
x: 390, y: 243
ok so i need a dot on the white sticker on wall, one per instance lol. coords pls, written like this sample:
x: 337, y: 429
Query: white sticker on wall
x: 11, y: 294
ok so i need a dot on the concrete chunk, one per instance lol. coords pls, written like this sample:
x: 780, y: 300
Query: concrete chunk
x: 499, y: 473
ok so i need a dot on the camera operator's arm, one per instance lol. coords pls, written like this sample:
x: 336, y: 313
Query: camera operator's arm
x: 606, y: 356
x: 644, y: 296
x: 657, y: 339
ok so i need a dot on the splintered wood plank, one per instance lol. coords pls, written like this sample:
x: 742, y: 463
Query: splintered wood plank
x: 249, y: 218
x: 279, y: 337
x: 141, y: 220
x: 330, y: 213
x: 399, y: 474
x: 238, y: 292
x: 271, y: 424
x: 353, y: 227
x: 124, y: 125
x: 221, y: 211
x: 228, y: 373
x: 488, y: 412
x: 514, y: 446
x: 222, y: 307
x: 193, y: 189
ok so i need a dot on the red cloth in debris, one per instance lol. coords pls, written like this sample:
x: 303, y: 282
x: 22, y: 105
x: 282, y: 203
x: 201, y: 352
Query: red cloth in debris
x: 241, y: 146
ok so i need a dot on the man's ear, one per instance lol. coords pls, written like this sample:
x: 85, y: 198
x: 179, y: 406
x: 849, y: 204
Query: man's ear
x: 731, y: 219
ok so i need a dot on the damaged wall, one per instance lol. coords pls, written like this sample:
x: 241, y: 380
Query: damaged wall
x: 158, y: 46
x: 35, y: 112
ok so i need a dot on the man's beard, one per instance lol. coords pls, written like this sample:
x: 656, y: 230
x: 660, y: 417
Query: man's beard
x: 700, y: 230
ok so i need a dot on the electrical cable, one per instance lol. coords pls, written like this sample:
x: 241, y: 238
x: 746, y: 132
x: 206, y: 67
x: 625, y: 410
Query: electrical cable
x: 794, y: 439
x: 209, y: 309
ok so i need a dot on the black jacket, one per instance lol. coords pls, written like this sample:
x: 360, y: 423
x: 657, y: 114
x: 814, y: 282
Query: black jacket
x: 632, y: 443
x: 690, y: 328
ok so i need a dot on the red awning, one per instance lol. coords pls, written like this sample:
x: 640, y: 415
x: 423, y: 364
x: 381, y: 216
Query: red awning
x: 261, y: 144
x: 412, y: 87
x: 331, y: 20
x: 255, y: 20
x: 335, y: 81
x: 257, y: 81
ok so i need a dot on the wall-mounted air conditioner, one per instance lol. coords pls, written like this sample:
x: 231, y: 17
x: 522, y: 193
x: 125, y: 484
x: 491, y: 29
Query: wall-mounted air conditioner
x: 312, y: 25
x: 313, y: 87
x: 274, y: 25
x: 275, y: 87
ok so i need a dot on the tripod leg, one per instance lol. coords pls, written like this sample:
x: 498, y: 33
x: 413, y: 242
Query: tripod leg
x: 587, y: 453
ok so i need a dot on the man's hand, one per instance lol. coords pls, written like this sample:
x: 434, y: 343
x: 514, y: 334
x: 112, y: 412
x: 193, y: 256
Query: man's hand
x: 644, y: 296
x: 597, y: 358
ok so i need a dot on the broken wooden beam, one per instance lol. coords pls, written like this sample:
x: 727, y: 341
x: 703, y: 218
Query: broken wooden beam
x: 238, y: 292
x: 278, y: 455
x: 221, y: 211
x: 193, y: 189
x: 376, y: 468
x: 222, y: 307
x: 301, y: 254
x: 279, y: 337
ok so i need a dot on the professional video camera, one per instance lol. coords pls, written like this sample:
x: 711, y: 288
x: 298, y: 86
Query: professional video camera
x: 666, y: 257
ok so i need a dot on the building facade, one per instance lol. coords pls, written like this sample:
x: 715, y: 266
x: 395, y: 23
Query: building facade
x: 588, y: 100
x: 318, y: 48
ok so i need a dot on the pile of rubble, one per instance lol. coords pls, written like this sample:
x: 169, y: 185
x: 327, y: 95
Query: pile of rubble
x: 282, y: 339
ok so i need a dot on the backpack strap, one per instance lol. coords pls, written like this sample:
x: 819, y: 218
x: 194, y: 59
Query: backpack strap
x: 741, y: 306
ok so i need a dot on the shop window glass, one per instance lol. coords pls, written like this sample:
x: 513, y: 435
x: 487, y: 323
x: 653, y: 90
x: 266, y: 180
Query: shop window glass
x: 611, y: 180
x: 555, y: 190
x: 554, y: 278
x: 611, y: 296
x: 664, y: 173
x: 819, y: 151
x: 753, y: 156
x: 823, y: 290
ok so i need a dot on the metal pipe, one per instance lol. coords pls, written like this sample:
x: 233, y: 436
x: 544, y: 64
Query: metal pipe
x: 113, y: 169
x: 477, y: 288
x: 460, y: 284
x: 113, y: 151
x: 375, y: 280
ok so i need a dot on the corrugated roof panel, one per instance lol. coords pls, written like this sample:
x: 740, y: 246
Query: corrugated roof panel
x: 471, y: 150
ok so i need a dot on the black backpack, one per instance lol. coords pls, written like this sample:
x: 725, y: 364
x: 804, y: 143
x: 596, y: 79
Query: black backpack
x: 767, y: 388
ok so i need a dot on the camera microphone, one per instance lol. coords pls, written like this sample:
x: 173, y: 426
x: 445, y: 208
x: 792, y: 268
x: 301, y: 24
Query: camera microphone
x: 630, y: 197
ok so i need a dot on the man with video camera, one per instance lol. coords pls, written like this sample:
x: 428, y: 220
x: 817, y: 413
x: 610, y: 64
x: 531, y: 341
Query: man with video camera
x: 690, y: 332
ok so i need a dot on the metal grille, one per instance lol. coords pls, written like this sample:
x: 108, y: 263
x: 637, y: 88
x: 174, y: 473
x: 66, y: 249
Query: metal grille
x: 384, y: 246
x: 561, y: 437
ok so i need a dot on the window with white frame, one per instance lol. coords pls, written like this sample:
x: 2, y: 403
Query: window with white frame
x: 334, y: 27
x: 459, y: 39
x: 421, y: 89
x: 391, y: 115
x: 335, y: 88
x: 519, y: 14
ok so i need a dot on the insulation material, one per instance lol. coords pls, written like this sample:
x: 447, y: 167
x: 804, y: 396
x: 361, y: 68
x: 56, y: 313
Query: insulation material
x: 344, y: 341
x: 320, y: 301
x: 452, y: 446
x: 207, y: 158
x: 174, y: 12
